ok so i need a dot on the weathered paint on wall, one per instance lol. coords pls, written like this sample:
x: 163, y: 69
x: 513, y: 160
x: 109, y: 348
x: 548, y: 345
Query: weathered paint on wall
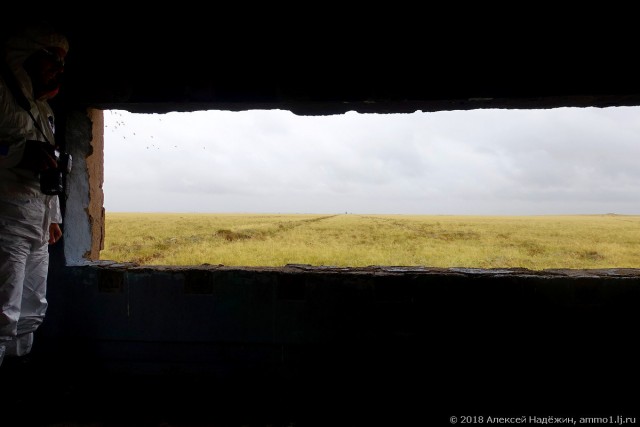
x: 84, y: 214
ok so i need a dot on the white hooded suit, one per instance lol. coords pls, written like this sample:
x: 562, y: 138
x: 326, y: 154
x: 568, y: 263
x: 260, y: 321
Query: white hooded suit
x: 25, y: 212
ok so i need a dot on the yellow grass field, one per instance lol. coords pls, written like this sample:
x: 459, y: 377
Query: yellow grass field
x: 351, y: 240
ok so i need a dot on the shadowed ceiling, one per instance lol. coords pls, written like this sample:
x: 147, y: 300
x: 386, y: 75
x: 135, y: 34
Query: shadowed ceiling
x: 329, y: 59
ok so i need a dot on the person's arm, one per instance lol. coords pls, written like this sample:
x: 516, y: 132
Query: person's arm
x: 55, y: 233
x: 15, y: 149
x: 37, y: 156
x: 55, y: 216
x: 11, y: 138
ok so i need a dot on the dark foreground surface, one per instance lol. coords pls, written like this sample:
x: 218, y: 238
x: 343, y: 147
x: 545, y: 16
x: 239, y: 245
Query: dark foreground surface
x: 42, y: 391
x: 39, y: 392
x: 385, y: 388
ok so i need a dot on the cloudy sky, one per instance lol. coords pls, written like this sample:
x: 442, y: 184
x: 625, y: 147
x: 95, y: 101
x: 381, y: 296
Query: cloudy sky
x: 480, y: 162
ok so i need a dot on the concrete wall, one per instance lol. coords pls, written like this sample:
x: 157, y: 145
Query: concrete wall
x: 448, y: 339
x: 83, y: 222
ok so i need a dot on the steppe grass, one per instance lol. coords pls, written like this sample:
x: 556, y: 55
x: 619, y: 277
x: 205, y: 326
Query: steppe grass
x: 350, y: 240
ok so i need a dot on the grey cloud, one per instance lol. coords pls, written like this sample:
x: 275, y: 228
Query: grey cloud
x: 457, y: 162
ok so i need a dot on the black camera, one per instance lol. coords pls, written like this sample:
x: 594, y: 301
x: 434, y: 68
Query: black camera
x: 52, y: 179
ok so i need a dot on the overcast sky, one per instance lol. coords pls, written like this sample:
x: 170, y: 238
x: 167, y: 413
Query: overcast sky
x: 484, y: 162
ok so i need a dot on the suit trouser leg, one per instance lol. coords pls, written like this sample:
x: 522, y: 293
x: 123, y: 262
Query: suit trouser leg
x: 34, y: 299
x: 14, y: 253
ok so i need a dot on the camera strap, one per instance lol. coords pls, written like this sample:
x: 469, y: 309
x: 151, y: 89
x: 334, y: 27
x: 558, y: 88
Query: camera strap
x: 12, y: 83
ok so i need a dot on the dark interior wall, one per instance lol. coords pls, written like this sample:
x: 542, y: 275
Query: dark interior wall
x: 413, y: 344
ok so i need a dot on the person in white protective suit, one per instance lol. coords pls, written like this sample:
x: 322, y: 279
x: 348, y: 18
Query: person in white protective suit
x: 29, y: 219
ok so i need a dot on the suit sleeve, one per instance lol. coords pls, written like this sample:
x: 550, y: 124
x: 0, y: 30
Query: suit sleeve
x: 55, y: 215
x: 13, y: 121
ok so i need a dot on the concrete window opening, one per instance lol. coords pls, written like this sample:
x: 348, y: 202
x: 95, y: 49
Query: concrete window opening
x: 514, y: 188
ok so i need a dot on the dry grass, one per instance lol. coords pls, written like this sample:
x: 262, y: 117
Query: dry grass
x: 533, y: 242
